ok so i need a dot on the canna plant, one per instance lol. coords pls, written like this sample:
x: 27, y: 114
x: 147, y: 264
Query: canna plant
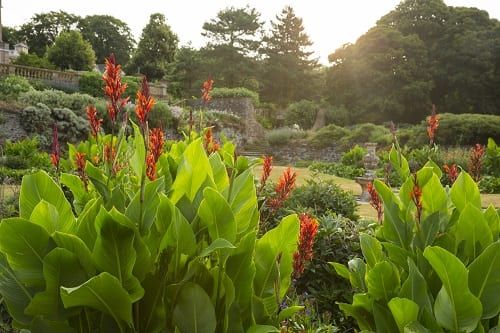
x: 138, y: 244
x: 434, y: 263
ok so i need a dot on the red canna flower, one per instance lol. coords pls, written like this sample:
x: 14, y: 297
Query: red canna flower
x: 432, y: 124
x: 114, y: 88
x: 451, y: 171
x: 375, y: 202
x: 94, y: 121
x: 211, y: 145
x: 283, y: 189
x: 55, y: 156
x: 156, y: 143
x: 476, y: 161
x: 308, y: 231
x: 206, y: 89
x: 144, y: 102
x: 266, y: 170
x: 110, y: 158
x: 416, y: 197
x: 80, y: 162
x: 151, y: 167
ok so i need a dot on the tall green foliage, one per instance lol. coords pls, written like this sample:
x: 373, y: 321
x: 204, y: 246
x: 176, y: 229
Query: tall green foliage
x: 179, y: 253
x: 434, y: 263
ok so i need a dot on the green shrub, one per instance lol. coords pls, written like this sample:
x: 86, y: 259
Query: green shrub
x: 492, y: 159
x: 9, y: 207
x: 24, y: 154
x: 431, y: 267
x: 33, y: 60
x: 354, y: 157
x: 235, y: 92
x: 71, y: 126
x: 328, y: 136
x: 336, y: 240
x: 91, y: 83
x: 489, y: 184
x: 302, y: 113
x: 12, y: 86
x: 321, y: 197
x: 36, y: 119
x: 133, y: 85
x: 281, y: 136
x: 14, y: 175
x: 339, y: 116
x: 363, y: 133
x: 161, y: 116
x: 57, y: 99
x: 337, y: 169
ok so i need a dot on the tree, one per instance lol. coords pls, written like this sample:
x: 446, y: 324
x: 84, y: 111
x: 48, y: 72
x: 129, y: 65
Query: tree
x: 32, y: 60
x: 233, y: 44
x: 10, y: 36
x: 289, y: 69
x: 42, y: 30
x: 187, y: 73
x: 107, y: 35
x: 384, y: 76
x: 155, y: 50
x: 71, y: 51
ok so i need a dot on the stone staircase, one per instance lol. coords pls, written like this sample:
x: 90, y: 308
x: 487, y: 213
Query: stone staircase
x: 255, y: 149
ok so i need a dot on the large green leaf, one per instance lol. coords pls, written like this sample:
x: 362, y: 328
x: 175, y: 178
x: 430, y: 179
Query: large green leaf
x: 25, y: 244
x: 46, y: 215
x: 86, y: 222
x: 74, y: 244
x: 372, y: 249
x: 39, y: 186
x: 60, y: 268
x: 99, y: 180
x: 363, y: 318
x: 357, y: 269
x: 216, y: 214
x: 384, y: 321
x: 221, y: 178
x: 415, y: 287
x: 138, y: 159
x: 491, y: 215
x: 456, y: 308
x: 383, y: 281
x: 484, y: 280
x: 114, y: 252
x: 243, y: 201
x: 399, y: 163
x: 415, y: 327
x: 104, y: 293
x: 16, y: 296
x: 274, y: 257
x: 42, y: 325
x: 142, y: 211
x: 179, y: 234
x: 241, y: 269
x: 192, y: 172
x: 465, y: 191
x: 473, y: 231
x: 152, y: 305
x: 218, y: 244
x: 193, y: 311
x: 404, y: 311
x: 434, y: 197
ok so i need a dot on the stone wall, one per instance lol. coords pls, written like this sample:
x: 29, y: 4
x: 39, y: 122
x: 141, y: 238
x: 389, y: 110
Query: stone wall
x: 240, y: 106
x: 302, y: 151
x: 10, y: 126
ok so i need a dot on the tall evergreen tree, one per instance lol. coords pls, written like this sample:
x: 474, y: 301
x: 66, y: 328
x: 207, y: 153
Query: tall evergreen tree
x: 289, y: 69
x: 233, y: 44
x: 155, y: 50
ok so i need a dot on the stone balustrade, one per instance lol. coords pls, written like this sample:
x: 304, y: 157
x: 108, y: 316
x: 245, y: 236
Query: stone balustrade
x: 66, y: 80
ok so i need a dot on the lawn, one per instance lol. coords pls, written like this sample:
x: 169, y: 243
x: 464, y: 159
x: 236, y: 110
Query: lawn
x: 364, y: 209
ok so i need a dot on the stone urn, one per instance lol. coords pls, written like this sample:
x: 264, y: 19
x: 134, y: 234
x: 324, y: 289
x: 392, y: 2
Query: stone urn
x: 370, y: 162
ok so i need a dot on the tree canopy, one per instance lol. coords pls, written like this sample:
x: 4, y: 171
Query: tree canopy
x: 107, y: 35
x: 156, y: 49
x: 71, y: 51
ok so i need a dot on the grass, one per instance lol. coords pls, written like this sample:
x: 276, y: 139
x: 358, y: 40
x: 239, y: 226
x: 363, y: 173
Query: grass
x: 364, y: 210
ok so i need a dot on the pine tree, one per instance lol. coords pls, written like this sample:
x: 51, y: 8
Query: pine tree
x: 289, y: 70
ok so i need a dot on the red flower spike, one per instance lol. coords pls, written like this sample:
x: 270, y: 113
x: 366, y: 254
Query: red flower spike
x: 156, y: 143
x: 211, y: 145
x: 283, y: 189
x: 266, y: 170
x: 476, y: 161
x: 308, y: 231
x: 144, y: 102
x: 206, y: 89
x: 55, y: 156
x: 451, y: 172
x: 416, y: 197
x: 375, y: 202
x: 151, y: 167
x: 94, y: 121
x: 80, y: 162
x: 432, y: 124
x: 110, y: 157
x: 114, y: 88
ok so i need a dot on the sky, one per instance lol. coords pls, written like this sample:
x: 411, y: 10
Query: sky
x: 329, y: 23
